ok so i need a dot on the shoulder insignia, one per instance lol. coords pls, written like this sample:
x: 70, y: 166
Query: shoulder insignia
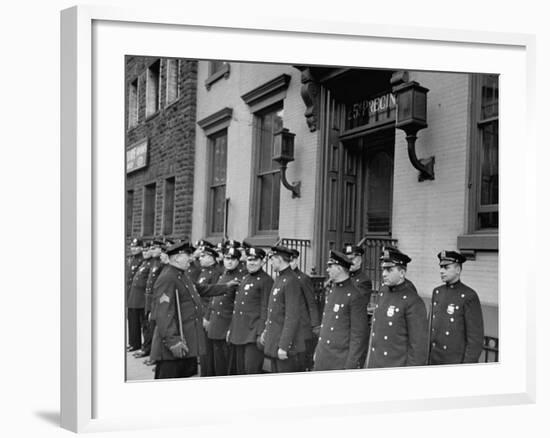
x: 164, y: 299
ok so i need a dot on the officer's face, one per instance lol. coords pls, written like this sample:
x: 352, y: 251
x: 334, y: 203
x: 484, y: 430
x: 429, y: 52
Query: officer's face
x: 254, y: 264
x: 393, y: 276
x: 135, y: 250
x: 450, y: 273
x: 155, y: 251
x: 230, y: 263
x: 164, y: 258
x: 146, y: 253
x: 276, y: 262
x: 356, y: 261
x: 293, y: 263
x: 333, y: 271
x: 181, y: 260
x: 206, y: 259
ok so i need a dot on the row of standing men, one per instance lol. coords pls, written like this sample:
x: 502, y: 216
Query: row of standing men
x: 229, y: 316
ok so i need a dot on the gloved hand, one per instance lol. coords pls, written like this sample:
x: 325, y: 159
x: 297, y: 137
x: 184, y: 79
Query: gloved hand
x: 180, y: 349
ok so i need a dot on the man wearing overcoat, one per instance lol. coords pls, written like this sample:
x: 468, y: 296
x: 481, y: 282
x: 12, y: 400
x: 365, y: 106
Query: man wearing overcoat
x: 310, y: 319
x: 136, y: 302
x: 456, y: 332
x: 249, y: 314
x: 399, y: 334
x: 344, y: 326
x: 178, y: 338
x: 283, y: 338
x: 221, y: 310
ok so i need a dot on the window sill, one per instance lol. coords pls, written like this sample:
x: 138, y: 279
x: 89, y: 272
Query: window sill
x: 468, y: 244
x: 221, y: 73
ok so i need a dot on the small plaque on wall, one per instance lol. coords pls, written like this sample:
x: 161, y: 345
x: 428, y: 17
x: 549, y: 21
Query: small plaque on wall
x: 136, y: 156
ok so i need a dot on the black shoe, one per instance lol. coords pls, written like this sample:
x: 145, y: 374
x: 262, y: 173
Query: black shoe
x: 130, y: 349
x: 141, y: 354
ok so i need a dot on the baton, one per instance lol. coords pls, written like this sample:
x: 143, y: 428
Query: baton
x: 179, y: 316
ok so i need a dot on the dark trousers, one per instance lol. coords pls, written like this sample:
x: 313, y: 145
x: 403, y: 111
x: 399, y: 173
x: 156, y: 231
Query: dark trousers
x: 207, y: 360
x: 148, y: 329
x: 289, y: 365
x: 220, y: 355
x: 248, y: 359
x: 135, y: 322
x: 305, y: 358
x: 173, y: 369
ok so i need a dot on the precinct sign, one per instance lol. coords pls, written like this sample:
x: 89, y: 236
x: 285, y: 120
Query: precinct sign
x: 136, y: 156
x: 373, y: 111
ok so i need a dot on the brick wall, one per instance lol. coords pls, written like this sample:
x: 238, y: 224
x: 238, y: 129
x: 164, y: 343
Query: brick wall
x: 171, y: 148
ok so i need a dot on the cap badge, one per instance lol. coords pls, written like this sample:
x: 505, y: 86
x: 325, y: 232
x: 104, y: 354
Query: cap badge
x: 451, y: 309
x: 386, y: 254
x: 164, y: 299
x: 391, y: 311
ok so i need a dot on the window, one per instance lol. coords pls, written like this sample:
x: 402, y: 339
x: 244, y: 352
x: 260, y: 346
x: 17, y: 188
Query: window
x: 268, y: 178
x: 483, y: 184
x: 172, y: 80
x: 133, y: 102
x: 217, y: 144
x: 153, y: 86
x: 216, y: 70
x: 129, y: 211
x: 168, y: 214
x: 149, y: 204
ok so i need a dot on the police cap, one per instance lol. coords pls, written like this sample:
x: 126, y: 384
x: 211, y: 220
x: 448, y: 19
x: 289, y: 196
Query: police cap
x: 393, y: 257
x: 338, y: 258
x: 449, y: 257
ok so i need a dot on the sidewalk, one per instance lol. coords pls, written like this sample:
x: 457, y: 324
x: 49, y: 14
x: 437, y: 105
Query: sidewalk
x: 136, y: 369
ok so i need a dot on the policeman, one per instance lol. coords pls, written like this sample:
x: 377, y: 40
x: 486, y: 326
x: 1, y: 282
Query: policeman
x: 399, y: 324
x: 283, y: 338
x: 209, y: 275
x: 249, y: 314
x: 133, y: 262
x: 178, y: 339
x: 344, y: 328
x: 310, y: 320
x: 231, y: 243
x: 456, y: 333
x: 194, y: 267
x: 221, y: 310
x: 356, y: 272
x: 155, y: 266
x: 361, y: 280
x: 136, y: 302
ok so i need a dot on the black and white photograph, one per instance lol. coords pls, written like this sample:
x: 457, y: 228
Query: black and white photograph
x: 289, y: 218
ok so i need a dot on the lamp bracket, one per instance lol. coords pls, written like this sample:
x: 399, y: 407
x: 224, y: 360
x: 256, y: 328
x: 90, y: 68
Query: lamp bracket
x: 424, y: 165
x: 295, y: 187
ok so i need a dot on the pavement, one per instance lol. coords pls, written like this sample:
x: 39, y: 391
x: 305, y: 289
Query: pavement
x: 136, y: 369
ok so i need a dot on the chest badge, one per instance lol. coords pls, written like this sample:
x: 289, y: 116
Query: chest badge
x: 275, y: 291
x: 247, y: 286
x: 164, y: 299
x: 391, y: 311
x: 201, y: 280
x: 336, y: 308
x: 451, y: 309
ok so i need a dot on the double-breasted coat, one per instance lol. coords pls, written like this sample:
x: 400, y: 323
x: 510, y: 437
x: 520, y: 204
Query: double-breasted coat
x: 362, y: 282
x: 136, y: 297
x: 344, y: 328
x: 284, y: 308
x: 221, y: 305
x: 155, y: 267
x: 208, y: 276
x: 456, y: 334
x: 250, y: 310
x: 399, y: 335
x: 170, y: 282
x: 132, y: 264
x: 310, y: 317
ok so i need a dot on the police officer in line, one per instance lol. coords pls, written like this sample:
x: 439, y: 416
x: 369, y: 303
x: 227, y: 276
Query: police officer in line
x: 220, y: 310
x: 136, y: 301
x: 178, y: 338
x: 155, y: 266
x: 194, y: 267
x: 360, y: 278
x: 209, y: 275
x: 249, y: 314
x: 456, y: 323
x: 310, y: 319
x: 283, y: 338
x: 345, y: 326
x: 133, y: 262
x: 399, y: 335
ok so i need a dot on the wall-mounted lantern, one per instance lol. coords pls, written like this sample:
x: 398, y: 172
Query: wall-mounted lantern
x: 411, y: 117
x: 283, y: 153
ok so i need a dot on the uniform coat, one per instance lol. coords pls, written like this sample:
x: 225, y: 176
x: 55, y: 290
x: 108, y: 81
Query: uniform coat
x: 208, y: 276
x: 344, y: 328
x: 155, y: 267
x: 136, y: 298
x: 132, y: 265
x: 221, y: 306
x: 456, y: 334
x: 170, y: 282
x: 310, y: 313
x: 249, y: 312
x: 193, y: 271
x: 399, y: 334
x: 362, y: 282
x: 283, y: 316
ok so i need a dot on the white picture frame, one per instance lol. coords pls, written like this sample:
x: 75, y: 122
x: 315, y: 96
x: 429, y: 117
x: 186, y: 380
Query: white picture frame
x: 93, y: 396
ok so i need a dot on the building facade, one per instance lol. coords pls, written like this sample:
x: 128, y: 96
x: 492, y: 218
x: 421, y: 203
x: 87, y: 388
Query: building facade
x: 160, y: 146
x: 351, y: 179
